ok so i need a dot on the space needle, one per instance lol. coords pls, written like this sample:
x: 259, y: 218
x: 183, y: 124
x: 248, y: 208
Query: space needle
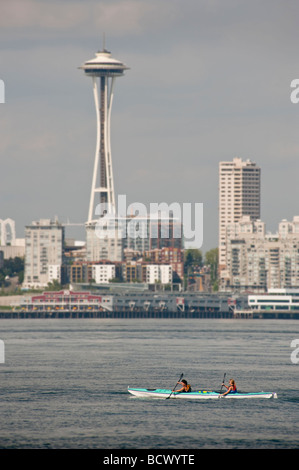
x: 103, y: 69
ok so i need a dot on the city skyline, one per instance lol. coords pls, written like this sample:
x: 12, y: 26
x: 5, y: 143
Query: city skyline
x: 207, y: 83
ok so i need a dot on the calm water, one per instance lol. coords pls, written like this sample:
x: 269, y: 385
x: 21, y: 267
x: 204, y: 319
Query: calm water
x: 64, y: 384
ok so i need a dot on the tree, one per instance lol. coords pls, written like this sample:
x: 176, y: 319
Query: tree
x: 54, y: 285
x: 211, y: 260
x: 193, y: 260
x: 11, y: 267
x: 193, y: 257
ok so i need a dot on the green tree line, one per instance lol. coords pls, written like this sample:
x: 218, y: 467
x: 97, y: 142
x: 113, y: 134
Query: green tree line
x: 12, y: 267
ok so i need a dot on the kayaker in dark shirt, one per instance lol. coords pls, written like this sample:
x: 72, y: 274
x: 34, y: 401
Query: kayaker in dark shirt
x: 231, y: 388
x: 185, y: 387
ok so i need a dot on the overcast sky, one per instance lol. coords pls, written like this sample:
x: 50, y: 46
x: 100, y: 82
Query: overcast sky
x: 208, y: 81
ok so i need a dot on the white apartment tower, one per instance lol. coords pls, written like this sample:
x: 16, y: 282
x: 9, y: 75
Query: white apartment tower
x: 239, y: 195
x: 260, y: 261
x: 44, y: 242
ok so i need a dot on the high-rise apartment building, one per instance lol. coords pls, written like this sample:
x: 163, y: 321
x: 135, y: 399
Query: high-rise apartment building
x: 259, y: 261
x: 239, y: 195
x: 44, y: 241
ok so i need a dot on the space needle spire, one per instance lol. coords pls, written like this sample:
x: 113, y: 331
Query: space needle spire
x: 103, y: 69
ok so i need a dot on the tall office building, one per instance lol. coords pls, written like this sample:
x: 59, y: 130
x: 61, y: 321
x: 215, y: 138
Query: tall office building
x: 44, y: 241
x: 239, y: 195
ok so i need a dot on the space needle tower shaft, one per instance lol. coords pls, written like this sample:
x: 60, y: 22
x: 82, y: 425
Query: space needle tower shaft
x: 103, y: 70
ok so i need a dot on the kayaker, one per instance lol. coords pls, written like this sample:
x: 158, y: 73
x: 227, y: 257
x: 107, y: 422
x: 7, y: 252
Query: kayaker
x: 231, y: 388
x: 185, y: 387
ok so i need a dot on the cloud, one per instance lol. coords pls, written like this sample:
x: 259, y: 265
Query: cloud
x: 123, y: 17
x: 117, y: 17
x: 25, y: 14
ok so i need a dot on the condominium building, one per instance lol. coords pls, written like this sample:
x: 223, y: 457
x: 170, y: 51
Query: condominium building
x: 93, y: 272
x: 80, y: 271
x: 103, y: 243
x: 239, y: 195
x: 168, y: 255
x: 103, y: 273
x: 131, y: 271
x: 139, y: 271
x: 258, y: 261
x: 161, y: 273
x: 44, y: 241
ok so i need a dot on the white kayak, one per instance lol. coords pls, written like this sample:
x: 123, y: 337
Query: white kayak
x: 196, y: 395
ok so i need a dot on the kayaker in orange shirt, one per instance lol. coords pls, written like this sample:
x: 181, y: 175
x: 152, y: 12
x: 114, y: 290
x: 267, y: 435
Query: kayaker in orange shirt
x: 185, y: 387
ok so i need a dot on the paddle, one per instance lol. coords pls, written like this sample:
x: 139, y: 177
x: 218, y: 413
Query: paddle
x: 182, y: 375
x: 222, y: 383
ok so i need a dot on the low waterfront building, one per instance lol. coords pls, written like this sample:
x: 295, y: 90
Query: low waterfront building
x: 103, y: 303
x: 275, y: 300
x: 66, y: 300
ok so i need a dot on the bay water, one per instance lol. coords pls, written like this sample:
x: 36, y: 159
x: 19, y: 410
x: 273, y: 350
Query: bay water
x: 64, y: 384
